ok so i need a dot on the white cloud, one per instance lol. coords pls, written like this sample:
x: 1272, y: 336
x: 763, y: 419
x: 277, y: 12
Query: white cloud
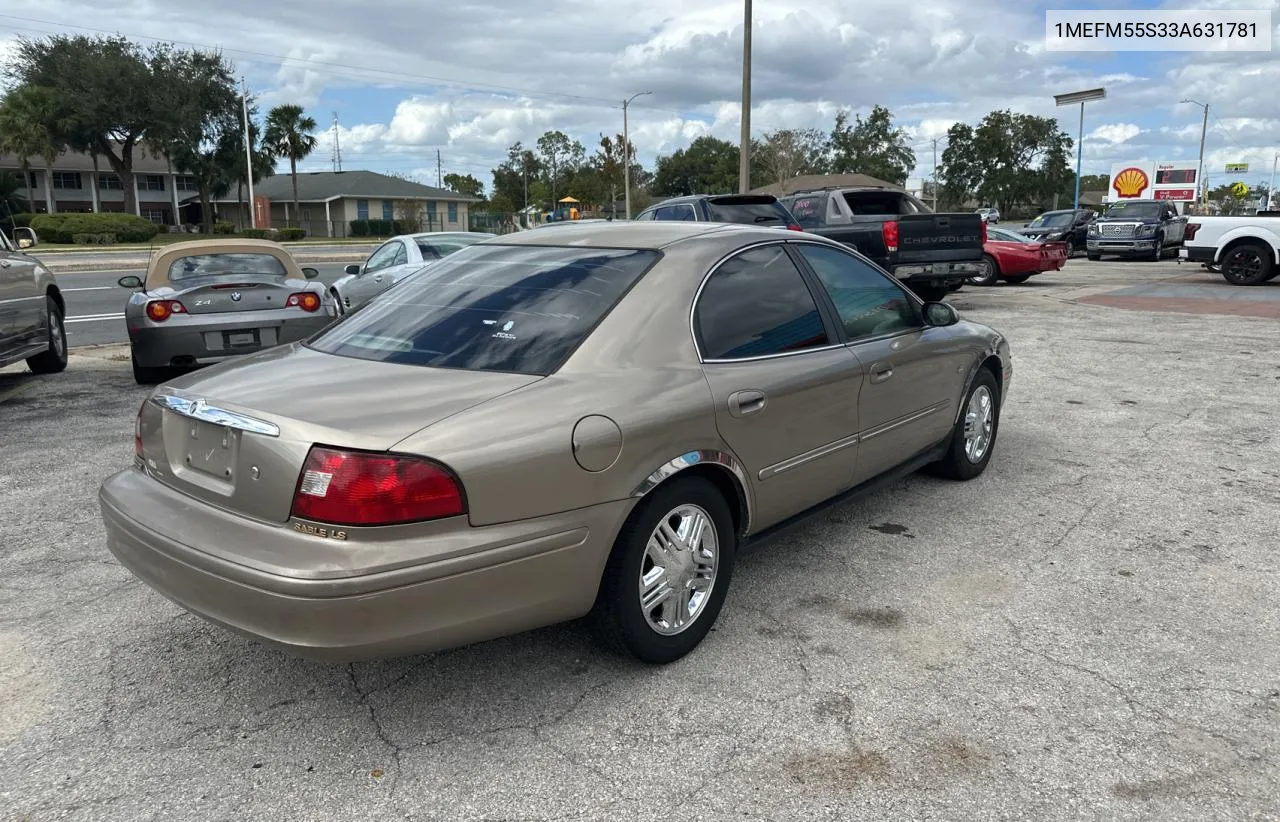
x: 1115, y: 133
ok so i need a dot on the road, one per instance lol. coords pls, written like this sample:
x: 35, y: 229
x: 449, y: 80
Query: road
x: 95, y: 303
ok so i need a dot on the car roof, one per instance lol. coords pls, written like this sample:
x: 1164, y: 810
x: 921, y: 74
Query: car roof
x: 164, y: 256
x: 652, y: 235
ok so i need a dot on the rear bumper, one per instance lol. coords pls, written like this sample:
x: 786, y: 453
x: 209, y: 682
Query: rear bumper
x: 937, y: 271
x: 509, y: 578
x: 1193, y: 254
x: 199, y: 339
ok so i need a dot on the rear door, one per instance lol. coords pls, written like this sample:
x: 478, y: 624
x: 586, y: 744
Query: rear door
x: 912, y: 375
x: 785, y: 389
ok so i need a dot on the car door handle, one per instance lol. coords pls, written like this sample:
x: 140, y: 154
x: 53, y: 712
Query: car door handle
x: 881, y: 372
x: 743, y: 403
x: 377, y: 278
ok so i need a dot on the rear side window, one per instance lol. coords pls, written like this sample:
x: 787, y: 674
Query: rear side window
x: 683, y: 212
x: 520, y: 309
x: 757, y: 304
x: 808, y: 211
x: 225, y: 265
x: 751, y: 213
x: 879, y: 202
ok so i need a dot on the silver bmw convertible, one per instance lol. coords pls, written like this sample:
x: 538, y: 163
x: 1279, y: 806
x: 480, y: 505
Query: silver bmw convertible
x: 206, y: 301
x: 549, y: 424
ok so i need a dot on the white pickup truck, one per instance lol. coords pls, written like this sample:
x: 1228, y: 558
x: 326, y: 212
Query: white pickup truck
x: 1246, y: 250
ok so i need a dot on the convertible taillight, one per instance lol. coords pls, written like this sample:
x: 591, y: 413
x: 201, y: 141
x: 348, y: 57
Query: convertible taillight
x: 889, y: 231
x: 161, y: 310
x: 1190, y: 233
x: 339, y: 487
x: 306, y: 300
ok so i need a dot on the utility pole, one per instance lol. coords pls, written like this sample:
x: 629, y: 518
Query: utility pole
x: 626, y: 153
x: 248, y: 154
x: 744, y: 145
x: 439, y: 175
x: 1204, y: 128
x: 935, y: 173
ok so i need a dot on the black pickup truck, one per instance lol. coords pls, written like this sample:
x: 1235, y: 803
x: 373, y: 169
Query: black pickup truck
x: 929, y: 253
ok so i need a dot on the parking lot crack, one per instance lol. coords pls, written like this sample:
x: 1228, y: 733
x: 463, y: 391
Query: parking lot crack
x: 379, y: 730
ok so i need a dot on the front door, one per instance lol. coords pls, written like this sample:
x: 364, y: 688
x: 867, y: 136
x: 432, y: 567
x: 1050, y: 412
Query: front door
x: 912, y: 374
x: 375, y: 277
x: 785, y: 390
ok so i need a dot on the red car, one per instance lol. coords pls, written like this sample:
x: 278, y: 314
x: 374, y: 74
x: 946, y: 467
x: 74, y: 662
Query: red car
x: 1015, y: 258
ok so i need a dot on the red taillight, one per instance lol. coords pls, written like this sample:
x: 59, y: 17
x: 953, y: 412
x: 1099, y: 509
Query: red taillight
x: 794, y: 227
x: 306, y: 300
x: 1190, y: 233
x: 161, y: 310
x: 355, y: 488
x: 890, y: 233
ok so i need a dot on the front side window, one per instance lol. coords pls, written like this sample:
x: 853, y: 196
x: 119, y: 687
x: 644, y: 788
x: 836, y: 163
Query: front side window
x: 868, y: 302
x: 757, y: 304
x: 383, y: 257
x: 1052, y: 220
x: 521, y: 309
x: 226, y: 265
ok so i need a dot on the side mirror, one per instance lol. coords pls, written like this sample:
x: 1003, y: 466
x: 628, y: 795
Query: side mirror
x: 310, y: 273
x: 28, y: 241
x: 353, y: 270
x: 940, y: 315
x: 130, y: 282
x: 25, y: 243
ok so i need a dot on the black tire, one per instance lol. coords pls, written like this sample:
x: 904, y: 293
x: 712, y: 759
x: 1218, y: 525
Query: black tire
x: 54, y: 359
x: 1158, y: 252
x: 1247, y: 264
x: 956, y: 464
x: 619, y: 615
x: 990, y: 275
x: 1093, y: 256
x: 930, y: 293
x: 1071, y: 249
x: 144, y: 375
x: 1017, y: 279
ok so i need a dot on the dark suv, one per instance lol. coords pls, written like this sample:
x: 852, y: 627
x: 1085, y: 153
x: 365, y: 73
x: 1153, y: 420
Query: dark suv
x: 1066, y: 225
x: 750, y: 209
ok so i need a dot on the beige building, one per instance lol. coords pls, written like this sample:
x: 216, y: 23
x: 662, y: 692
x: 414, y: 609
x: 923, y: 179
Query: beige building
x: 329, y: 201
x: 73, y: 185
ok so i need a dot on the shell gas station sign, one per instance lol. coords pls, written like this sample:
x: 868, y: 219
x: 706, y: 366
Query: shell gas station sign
x: 1152, y: 181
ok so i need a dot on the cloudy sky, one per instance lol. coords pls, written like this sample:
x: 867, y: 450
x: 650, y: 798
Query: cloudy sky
x: 408, y: 79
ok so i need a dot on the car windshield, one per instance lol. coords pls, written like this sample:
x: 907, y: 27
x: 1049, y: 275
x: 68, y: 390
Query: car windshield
x: 1052, y: 219
x: 1140, y: 211
x: 751, y: 212
x: 226, y: 265
x: 1000, y: 235
x: 520, y: 309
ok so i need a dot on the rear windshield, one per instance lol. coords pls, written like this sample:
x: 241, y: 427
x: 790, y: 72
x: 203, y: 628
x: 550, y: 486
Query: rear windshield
x: 768, y: 212
x: 520, y: 309
x: 226, y: 265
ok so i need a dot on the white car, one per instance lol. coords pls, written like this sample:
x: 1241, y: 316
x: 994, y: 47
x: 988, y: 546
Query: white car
x: 990, y: 215
x: 1246, y: 250
x: 394, y: 260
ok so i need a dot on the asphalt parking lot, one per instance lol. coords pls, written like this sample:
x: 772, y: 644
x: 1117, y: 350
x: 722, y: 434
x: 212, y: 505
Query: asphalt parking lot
x: 1087, y: 631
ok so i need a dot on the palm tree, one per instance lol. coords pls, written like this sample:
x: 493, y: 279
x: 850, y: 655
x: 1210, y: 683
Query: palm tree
x: 27, y: 127
x: 289, y: 134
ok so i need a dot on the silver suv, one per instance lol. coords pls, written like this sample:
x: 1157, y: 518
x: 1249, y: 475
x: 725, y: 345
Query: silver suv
x: 31, y: 312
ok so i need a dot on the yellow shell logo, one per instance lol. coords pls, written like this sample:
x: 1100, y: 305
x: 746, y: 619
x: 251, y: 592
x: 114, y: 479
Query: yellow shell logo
x: 1131, y: 182
x: 1239, y: 191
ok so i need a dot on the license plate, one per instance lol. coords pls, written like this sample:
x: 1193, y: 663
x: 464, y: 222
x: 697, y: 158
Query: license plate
x: 1182, y: 253
x: 210, y: 449
x: 241, y: 338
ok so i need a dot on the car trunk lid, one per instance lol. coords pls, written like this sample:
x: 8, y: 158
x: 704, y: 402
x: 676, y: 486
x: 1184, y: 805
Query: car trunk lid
x: 237, y: 435
x: 218, y: 295
x: 924, y: 238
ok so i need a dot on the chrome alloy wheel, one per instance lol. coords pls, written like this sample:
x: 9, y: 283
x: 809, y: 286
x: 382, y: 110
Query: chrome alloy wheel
x: 678, y: 571
x: 979, y: 419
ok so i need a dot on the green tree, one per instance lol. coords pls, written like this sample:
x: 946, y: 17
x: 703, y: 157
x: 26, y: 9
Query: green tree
x: 105, y: 92
x: 28, y: 128
x: 290, y: 133
x: 464, y: 184
x: 708, y: 165
x: 1008, y: 160
x: 11, y: 200
x: 871, y: 146
x: 788, y: 152
x: 561, y: 156
x: 521, y: 167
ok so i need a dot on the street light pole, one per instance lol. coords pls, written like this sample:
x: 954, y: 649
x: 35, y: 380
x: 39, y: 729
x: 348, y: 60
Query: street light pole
x: 1204, y: 129
x: 935, y: 173
x: 626, y: 154
x: 1271, y: 187
x: 248, y: 154
x: 1080, y: 97
x: 744, y: 146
